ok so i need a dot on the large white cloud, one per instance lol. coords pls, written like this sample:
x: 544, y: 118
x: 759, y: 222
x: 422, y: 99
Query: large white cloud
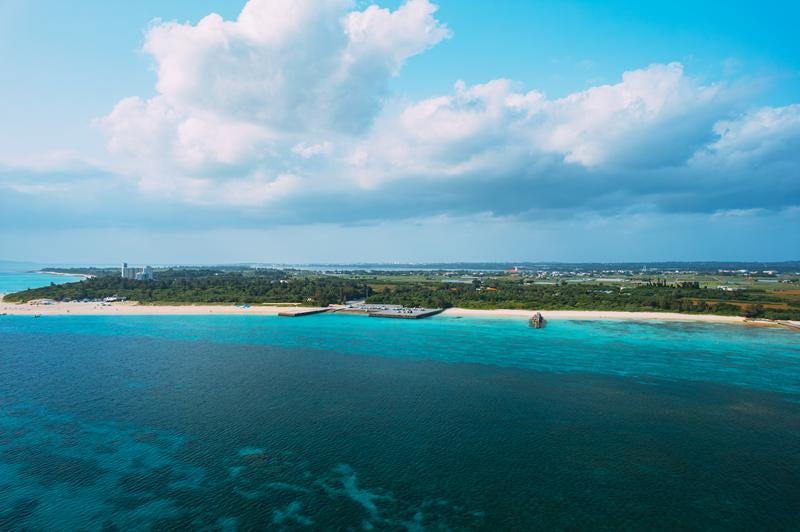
x: 654, y: 117
x: 290, y: 64
x: 648, y: 110
x: 288, y: 106
x: 239, y: 98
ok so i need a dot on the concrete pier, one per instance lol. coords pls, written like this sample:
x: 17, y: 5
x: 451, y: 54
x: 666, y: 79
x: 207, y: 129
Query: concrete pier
x: 406, y: 313
x: 301, y: 311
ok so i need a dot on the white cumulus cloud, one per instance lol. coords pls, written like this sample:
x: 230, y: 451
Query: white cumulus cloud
x: 654, y: 117
x: 235, y: 97
x: 287, y: 108
x: 766, y: 135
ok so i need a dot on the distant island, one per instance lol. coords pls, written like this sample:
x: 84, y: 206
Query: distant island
x: 771, y: 292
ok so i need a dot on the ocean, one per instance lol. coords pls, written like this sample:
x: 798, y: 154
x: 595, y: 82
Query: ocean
x: 355, y: 423
x: 17, y: 276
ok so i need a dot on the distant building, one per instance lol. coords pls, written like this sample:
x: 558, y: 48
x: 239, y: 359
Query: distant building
x: 139, y: 274
x: 726, y: 288
x: 128, y: 273
x: 145, y: 275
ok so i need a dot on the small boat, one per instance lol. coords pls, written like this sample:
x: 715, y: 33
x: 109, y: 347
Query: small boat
x: 37, y: 315
x: 536, y: 321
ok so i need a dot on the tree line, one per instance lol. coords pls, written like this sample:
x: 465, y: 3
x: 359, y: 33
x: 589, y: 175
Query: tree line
x: 656, y: 296
x: 206, y: 286
x: 256, y: 286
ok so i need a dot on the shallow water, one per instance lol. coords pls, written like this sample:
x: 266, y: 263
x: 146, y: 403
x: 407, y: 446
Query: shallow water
x: 226, y: 422
x: 15, y: 281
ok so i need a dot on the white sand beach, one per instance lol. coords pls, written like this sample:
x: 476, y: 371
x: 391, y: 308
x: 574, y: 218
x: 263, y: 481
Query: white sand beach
x: 594, y: 315
x: 133, y: 308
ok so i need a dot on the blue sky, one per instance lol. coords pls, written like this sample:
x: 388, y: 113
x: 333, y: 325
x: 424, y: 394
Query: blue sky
x: 337, y: 131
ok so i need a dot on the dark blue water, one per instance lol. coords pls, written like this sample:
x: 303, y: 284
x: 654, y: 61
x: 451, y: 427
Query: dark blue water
x: 214, y: 422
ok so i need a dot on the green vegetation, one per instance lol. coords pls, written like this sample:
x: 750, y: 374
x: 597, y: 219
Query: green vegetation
x: 654, y: 296
x: 768, y: 296
x: 206, y: 286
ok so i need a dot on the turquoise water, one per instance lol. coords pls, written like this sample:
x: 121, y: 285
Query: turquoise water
x: 727, y: 354
x: 347, y: 422
x: 12, y: 280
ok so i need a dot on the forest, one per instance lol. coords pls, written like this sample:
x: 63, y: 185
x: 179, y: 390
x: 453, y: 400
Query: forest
x: 655, y: 296
x: 206, y: 286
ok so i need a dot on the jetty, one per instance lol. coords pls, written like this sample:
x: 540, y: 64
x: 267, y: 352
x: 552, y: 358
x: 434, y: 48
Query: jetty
x: 385, y: 310
x: 406, y: 313
x: 536, y: 321
x: 300, y: 311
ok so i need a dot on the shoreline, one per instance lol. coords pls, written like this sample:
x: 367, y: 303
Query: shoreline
x: 592, y: 315
x: 130, y: 308
x: 64, y: 274
x: 620, y: 315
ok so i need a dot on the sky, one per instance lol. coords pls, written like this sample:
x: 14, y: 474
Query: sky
x: 296, y: 131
